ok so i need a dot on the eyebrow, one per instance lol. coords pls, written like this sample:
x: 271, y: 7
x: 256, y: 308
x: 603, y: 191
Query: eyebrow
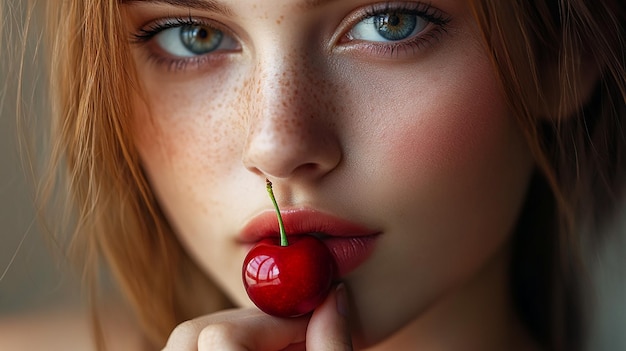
x: 205, y: 5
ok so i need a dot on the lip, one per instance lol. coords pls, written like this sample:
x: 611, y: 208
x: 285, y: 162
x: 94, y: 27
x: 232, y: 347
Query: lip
x: 349, y: 243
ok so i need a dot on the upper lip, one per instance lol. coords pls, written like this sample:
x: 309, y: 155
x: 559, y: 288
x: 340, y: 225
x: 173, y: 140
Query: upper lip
x: 298, y: 222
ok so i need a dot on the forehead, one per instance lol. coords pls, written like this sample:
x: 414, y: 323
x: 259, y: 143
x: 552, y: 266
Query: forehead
x: 216, y: 5
x: 222, y: 6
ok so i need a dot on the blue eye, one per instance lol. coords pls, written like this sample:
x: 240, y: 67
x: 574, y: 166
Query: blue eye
x: 187, y: 40
x: 389, y: 26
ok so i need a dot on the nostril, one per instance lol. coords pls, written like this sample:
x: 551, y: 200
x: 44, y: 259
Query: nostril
x: 307, y: 167
x: 288, y: 134
x: 282, y: 157
x: 305, y: 170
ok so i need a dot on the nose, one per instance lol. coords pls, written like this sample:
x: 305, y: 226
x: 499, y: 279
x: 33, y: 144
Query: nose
x: 290, y: 130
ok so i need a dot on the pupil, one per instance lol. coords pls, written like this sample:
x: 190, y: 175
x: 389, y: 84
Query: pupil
x: 199, y: 39
x: 202, y: 33
x: 393, y: 20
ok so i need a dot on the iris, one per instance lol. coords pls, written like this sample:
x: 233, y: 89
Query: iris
x: 394, y: 26
x: 200, y: 39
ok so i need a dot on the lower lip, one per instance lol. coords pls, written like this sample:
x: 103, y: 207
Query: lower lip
x: 350, y: 252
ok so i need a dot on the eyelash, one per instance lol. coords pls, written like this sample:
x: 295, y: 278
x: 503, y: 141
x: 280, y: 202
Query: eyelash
x: 146, y: 34
x: 436, y: 18
x: 424, y: 10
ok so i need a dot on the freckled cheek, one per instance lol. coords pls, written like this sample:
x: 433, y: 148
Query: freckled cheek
x: 187, y: 146
x: 186, y: 129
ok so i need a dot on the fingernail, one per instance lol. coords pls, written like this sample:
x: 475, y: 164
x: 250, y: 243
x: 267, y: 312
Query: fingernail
x: 342, y: 300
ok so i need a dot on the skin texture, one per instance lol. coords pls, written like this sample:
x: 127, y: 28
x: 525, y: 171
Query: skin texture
x: 416, y: 143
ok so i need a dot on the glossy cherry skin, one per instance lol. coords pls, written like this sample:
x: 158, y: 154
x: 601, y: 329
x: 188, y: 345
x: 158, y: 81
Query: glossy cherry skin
x: 288, y: 281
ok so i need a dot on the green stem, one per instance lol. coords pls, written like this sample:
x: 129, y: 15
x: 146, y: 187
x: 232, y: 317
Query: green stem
x: 281, y: 226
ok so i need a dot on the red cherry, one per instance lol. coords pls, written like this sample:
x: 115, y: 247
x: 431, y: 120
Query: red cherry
x: 288, y: 280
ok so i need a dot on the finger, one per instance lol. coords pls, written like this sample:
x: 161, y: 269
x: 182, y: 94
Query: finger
x: 328, y: 328
x: 235, y: 330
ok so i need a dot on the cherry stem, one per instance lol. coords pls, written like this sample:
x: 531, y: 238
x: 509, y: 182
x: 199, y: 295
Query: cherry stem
x: 281, y: 226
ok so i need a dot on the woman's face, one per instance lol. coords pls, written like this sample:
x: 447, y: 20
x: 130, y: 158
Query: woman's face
x: 385, y: 115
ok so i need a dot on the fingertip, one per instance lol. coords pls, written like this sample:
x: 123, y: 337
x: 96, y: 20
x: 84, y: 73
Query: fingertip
x: 329, y: 328
x: 342, y: 300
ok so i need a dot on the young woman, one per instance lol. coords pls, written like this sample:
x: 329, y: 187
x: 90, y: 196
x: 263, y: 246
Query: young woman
x: 472, y: 148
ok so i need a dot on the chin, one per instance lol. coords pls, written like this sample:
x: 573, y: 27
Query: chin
x: 377, y: 330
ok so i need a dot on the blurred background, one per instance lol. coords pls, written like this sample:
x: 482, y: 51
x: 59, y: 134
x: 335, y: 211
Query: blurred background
x: 31, y: 276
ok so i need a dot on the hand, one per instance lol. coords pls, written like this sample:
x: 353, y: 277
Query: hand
x: 252, y: 330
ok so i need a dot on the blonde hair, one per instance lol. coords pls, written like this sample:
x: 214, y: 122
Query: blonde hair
x: 118, y: 220
x: 539, y: 49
